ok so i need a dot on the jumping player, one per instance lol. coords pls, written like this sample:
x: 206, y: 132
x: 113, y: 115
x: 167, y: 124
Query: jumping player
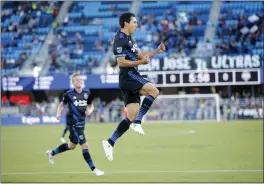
x: 131, y: 83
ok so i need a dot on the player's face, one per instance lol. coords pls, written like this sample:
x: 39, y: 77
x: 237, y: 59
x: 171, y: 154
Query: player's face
x: 77, y: 82
x: 132, y: 26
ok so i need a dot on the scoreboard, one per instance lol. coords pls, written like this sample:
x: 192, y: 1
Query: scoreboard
x: 216, y: 70
x: 205, y: 78
x: 159, y: 78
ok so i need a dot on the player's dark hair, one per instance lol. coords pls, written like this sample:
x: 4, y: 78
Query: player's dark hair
x: 125, y: 17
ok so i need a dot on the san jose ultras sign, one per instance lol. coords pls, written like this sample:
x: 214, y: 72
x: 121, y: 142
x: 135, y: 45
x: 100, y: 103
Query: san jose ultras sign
x: 216, y: 70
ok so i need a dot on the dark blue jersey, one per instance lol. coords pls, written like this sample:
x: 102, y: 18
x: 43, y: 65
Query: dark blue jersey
x: 77, y: 104
x: 125, y: 46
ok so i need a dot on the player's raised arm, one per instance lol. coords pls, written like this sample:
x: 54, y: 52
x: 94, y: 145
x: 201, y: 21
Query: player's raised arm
x: 122, y: 62
x: 161, y: 48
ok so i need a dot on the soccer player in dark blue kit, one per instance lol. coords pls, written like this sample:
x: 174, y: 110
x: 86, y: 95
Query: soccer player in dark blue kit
x: 80, y: 105
x: 131, y: 83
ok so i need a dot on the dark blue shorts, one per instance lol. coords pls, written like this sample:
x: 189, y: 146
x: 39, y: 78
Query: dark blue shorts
x: 77, y: 135
x: 130, y: 84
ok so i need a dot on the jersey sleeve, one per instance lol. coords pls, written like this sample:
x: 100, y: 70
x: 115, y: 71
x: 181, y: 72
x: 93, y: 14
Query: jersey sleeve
x: 120, y: 47
x: 90, y: 98
x: 65, y: 99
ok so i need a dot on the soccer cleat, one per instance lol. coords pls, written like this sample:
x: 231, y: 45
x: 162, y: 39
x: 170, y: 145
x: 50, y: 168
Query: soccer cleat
x: 108, y: 150
x: 63, y: 140
x: 137, y: 128
x: 50, y: 157
x: 97, y: 172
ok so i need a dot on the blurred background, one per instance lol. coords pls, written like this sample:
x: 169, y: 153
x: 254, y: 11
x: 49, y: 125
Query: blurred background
x: 212, y: 48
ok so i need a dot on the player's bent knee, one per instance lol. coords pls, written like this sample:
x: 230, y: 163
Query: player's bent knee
x: 151, y: 90
x: 154, y: 92
x: 85, y: 146
x: 71, y: 146
x: 157, y: 92
x: 142, y: 92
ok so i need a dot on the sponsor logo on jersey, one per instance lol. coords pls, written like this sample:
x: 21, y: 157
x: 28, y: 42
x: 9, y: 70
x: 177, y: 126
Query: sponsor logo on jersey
x: 80, y: 103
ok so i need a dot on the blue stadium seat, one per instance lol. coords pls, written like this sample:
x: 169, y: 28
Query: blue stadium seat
x: 246, y: 8
x: 13, y: 43
x: 93, y: 11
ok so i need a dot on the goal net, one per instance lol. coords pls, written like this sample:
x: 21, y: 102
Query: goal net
x: 187, y: 107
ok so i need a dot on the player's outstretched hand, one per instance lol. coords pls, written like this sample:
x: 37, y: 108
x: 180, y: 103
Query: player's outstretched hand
x: 145, y: 60
x: 58, y: 116
x: 161, y: 48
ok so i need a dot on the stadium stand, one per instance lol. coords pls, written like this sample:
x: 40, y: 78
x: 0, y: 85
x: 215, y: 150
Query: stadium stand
x: 239, y: 28
x: 174, y: 23
x: 85, y: 36
x: 24, y: 27
x: 87, y: 32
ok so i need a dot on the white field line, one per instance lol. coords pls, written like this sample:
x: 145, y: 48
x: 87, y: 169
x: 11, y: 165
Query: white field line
x: 136, y: 172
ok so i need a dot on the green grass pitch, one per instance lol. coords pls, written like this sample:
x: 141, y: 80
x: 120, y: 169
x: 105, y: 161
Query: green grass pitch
x: 179, y: 152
